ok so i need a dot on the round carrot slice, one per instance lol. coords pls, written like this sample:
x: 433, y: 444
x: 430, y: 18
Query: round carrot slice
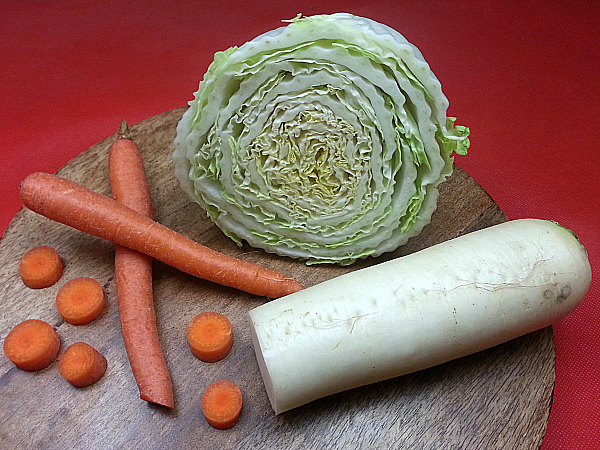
x: 210, y: 336
x: 222, y: 404
x: 81, y: 364
x: 32, y: 345
x: 80, y: 300
x: 40, y: 267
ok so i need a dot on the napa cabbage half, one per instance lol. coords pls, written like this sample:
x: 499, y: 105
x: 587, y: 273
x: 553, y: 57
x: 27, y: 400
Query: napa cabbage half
x: 324, y: 140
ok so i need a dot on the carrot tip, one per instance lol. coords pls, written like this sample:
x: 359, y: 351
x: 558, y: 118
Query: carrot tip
x: 167, y: 402
x: 123, y: 131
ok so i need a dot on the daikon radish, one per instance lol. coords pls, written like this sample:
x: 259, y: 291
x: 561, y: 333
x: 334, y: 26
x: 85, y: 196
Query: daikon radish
x: 417, y: 311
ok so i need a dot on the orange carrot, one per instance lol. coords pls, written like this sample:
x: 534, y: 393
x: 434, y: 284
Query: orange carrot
x: 69, y: 203
x: 80, y: 300
x: 81, y: 364
x: 210, y: 336
x: 133, y: 273
x: 32, y: 345
x: 40, y: 267
x: 222, y: 404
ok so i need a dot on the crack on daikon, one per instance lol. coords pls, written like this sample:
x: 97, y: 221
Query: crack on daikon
x: 340, y: 322
x: 493, y: 287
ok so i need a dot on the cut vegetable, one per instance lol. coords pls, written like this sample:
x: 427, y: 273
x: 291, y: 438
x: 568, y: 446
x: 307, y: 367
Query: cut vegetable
x: 417, y: 311
x: 80, y: 300
x: 74, y: 205
x: 210, y: 336
x: 32, y: 345
x: 82, y: 365
x: 133, y: 273
x: 222, y: 404
x: 323, y: 140
x: 40, y: 267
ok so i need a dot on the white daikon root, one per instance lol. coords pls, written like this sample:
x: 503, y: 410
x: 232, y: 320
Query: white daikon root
x: 417, y: 311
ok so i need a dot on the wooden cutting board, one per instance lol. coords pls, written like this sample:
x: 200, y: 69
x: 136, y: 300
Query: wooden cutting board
x: 495, y: 399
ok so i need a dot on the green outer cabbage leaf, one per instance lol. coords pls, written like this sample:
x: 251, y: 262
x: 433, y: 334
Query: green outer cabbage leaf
x: 323, y: 140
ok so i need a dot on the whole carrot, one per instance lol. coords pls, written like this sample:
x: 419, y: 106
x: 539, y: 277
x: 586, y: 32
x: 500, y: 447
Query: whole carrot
x: 133, y: 272
x: 69, y: 203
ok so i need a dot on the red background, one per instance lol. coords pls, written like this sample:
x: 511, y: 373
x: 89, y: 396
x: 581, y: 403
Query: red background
x: 524, y: 76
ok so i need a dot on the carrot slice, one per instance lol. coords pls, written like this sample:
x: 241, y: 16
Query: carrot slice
x: 80, y: 300
x: 81, y: 364
x: 210, y: 336
x: 32, y: 345
x: 222, y: 404
x: 40, y: 267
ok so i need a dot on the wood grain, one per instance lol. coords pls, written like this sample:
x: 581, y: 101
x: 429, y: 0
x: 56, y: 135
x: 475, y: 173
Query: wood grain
x: 495, y: 399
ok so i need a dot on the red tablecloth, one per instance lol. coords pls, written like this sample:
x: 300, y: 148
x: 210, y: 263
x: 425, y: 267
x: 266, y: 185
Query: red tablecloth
x: 524, y: 76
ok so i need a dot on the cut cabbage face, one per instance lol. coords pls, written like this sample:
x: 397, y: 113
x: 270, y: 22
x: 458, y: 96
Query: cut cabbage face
x: 323, y: 140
